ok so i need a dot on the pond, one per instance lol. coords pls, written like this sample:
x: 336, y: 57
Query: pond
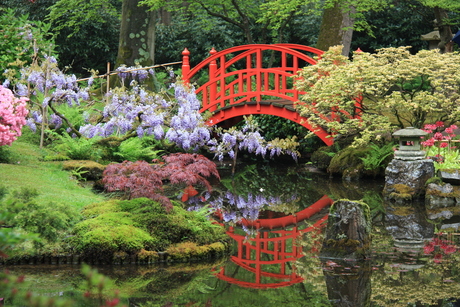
x: 275, y: 258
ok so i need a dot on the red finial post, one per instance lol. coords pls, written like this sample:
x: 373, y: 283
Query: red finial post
x: 185, y: 65
x: 212, y: 75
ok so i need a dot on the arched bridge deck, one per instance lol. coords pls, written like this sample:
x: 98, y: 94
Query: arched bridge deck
x: 240, y: 83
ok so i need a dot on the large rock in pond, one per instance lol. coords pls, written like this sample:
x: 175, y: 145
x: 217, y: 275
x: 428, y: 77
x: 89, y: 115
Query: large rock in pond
x: 405, y: 180
x: 348, y: 233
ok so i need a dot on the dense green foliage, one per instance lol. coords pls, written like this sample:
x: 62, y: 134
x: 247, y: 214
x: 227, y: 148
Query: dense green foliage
x: 20, y: 40
x: 51, y: 221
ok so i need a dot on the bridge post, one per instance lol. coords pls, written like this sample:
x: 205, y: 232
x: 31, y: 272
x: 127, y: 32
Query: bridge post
x: 186, y: 66
x: 212, y: 75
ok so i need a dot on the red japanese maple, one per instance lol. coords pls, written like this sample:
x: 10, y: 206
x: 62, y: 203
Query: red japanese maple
x: 141, y: 179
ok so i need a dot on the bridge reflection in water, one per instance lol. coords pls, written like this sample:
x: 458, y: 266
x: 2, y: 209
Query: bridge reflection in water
x: 268, y: 256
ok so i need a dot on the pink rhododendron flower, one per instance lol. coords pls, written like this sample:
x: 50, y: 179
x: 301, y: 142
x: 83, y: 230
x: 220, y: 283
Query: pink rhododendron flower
x: 438, y: 136
x: 429, y: 142
x: 12, y: 116
x: 443, y: 145
x: 429, y: 128
x: 439, y: 124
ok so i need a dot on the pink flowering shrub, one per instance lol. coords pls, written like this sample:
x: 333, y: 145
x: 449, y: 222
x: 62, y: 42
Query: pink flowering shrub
x: 12, y: 116
x: 440, y: 146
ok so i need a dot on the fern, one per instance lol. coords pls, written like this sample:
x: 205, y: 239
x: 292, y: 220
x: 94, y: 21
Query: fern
x: 133, y: 150
x: 377, y: 155
x: 77, y: 148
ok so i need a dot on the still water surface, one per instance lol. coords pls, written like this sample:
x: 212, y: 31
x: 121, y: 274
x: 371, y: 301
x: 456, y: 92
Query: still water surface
x: 275, y: 258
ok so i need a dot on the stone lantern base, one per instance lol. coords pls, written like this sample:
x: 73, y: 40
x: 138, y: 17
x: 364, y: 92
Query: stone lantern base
x: 410, y: 155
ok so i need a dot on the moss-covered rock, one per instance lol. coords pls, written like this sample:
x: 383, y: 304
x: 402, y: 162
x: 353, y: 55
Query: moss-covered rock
x: 141, y: 227
x: 322, y: 157
x: 86, y: 169
x: 348, y: 159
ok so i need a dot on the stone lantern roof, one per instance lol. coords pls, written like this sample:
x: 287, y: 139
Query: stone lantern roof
x: 410, y: 132
x: 409, y: 144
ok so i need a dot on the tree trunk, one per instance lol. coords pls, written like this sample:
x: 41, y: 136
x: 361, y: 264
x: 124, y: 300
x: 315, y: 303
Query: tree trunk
x: 336, y: 28
x: 445, y: 32
x: 137, y: 35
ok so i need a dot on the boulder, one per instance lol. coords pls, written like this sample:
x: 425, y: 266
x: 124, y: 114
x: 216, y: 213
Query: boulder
x: 405, y: 180
x: 348, y: 233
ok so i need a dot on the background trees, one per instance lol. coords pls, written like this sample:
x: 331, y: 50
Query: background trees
x: 89, y: 37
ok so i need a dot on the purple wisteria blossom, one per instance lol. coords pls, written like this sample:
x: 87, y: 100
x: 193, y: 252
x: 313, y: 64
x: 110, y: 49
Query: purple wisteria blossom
x: 249, y: 139
x: 187, y: 128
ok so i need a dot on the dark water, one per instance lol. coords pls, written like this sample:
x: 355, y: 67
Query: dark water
x: 275, y: 258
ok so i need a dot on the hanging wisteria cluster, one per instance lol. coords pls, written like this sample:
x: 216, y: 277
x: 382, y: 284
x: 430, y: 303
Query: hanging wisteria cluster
x: 249, y: 138
x: 133, y: 109
x: 187, y: 127
x: 44, y: 85
x: 148, y: 113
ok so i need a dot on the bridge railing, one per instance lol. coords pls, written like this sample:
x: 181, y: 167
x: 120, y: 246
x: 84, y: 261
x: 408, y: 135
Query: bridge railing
x: 252, y: 81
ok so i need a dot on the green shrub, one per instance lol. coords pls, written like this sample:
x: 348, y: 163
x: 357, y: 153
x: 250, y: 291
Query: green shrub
x: 51, y: 221
x: 347, y: 158
x: 377, y: 155
x: 20, y: 38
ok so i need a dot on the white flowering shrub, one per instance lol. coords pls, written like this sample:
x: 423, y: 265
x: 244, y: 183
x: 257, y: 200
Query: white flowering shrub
x: 398, y: 90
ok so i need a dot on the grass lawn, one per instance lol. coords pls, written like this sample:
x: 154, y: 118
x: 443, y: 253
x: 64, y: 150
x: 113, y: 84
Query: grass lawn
x: 52, y: 183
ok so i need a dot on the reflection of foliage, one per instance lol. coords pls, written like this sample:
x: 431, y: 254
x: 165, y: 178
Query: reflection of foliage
x: 375, y: 202
x: 439, y: 248
x: 285, y: 184
x: 235, y: 207
x: 407, y: 277
x: 309, y: 267
x: 395, y: 285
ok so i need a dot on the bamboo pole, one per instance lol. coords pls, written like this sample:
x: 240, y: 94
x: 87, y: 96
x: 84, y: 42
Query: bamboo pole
x: 108, y: 74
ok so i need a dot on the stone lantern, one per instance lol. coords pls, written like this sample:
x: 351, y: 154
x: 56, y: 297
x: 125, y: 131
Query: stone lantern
x: 409, y: 144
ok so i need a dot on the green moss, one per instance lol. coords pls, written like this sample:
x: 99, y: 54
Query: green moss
x: 187, y: 251
x: 322, y: 157
x: 110, y: 232
x: 404, y: 211
x: 401, y: 196
x: 347, y: 158
x: 100, y: 208
x: 133, y: 225
x: 435, y: 180
x: 403, y: 189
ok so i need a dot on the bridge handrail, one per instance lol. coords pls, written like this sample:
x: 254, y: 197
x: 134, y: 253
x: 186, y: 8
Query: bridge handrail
x: 252, y: 48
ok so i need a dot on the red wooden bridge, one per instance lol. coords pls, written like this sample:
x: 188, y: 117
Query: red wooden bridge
x: 239, y: 84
